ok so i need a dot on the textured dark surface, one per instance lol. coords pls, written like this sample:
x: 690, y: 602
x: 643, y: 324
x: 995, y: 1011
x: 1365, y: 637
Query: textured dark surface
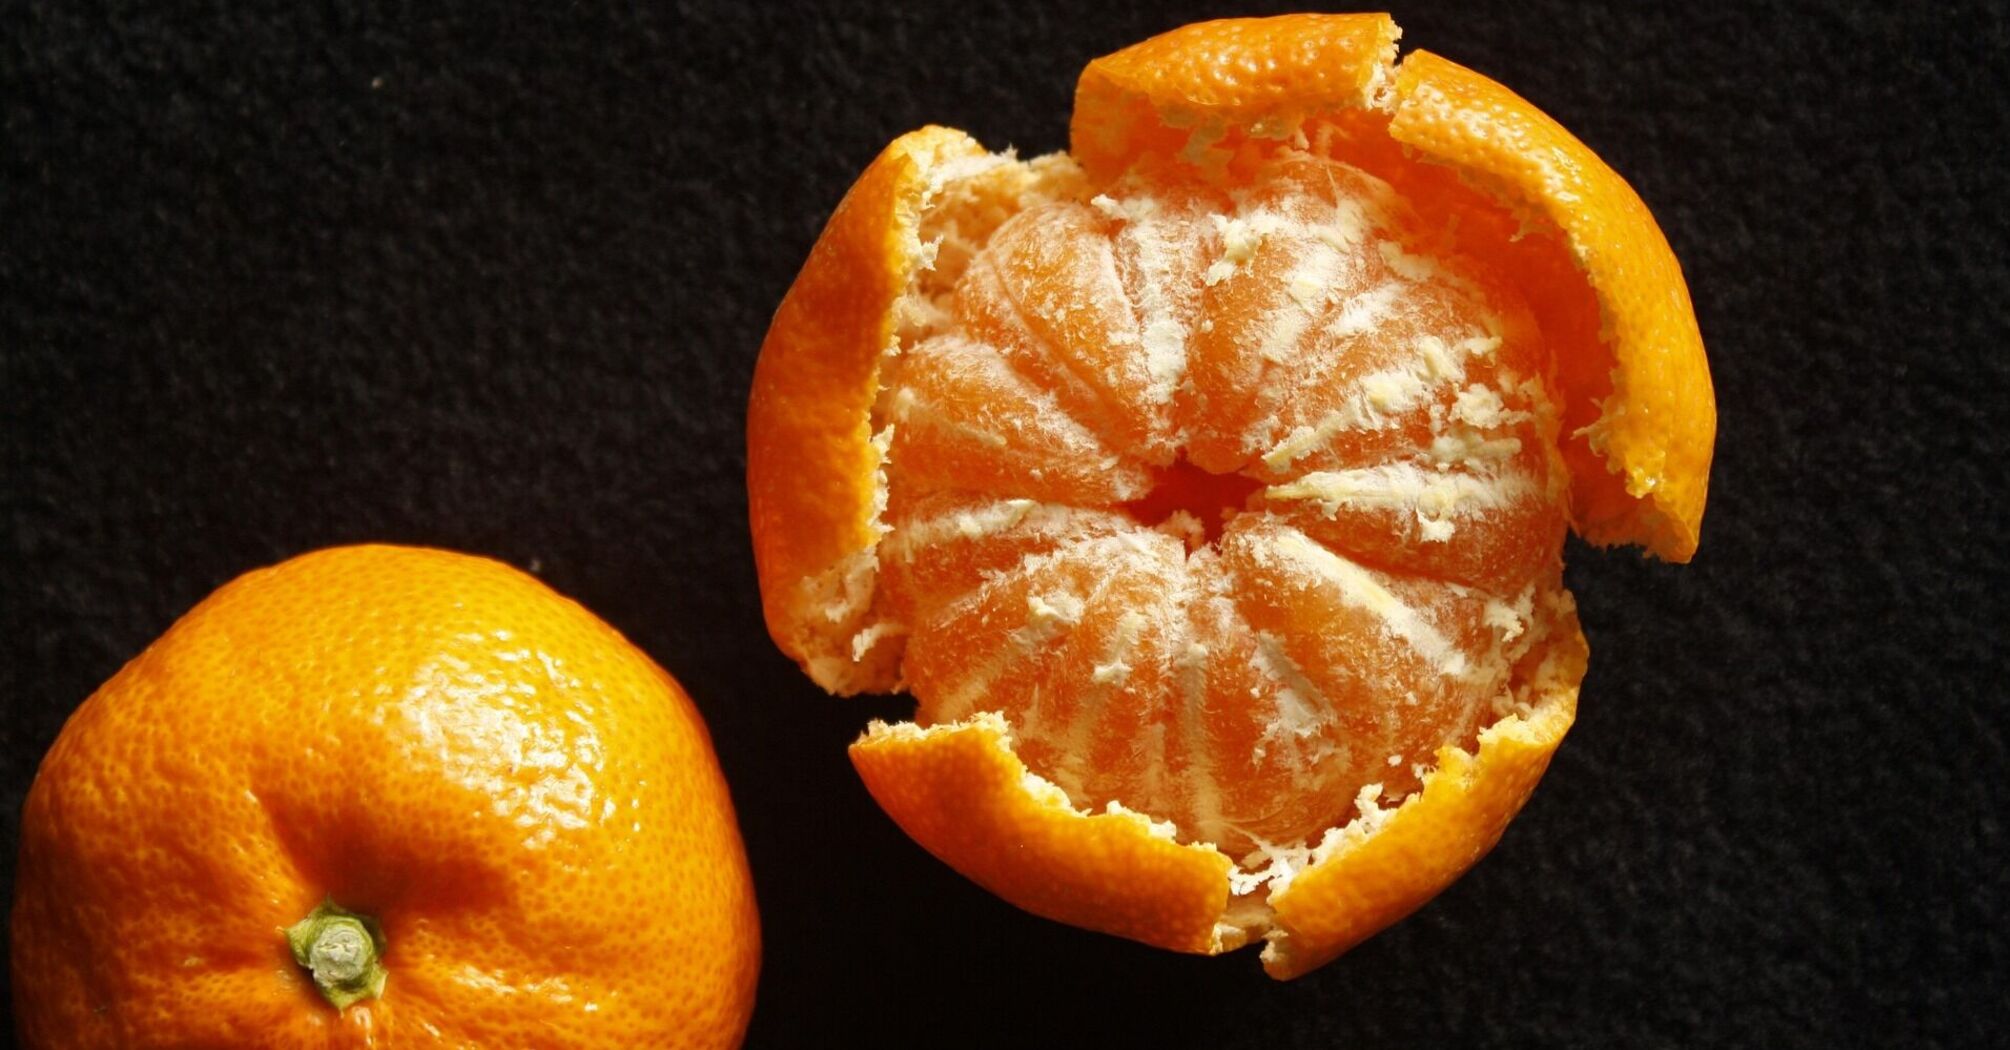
x: 275, y: 276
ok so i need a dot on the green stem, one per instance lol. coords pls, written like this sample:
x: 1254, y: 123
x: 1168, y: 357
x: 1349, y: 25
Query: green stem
x: 343, y: 950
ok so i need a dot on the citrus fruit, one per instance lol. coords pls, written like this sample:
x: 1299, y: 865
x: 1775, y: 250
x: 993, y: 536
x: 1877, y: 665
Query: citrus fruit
x: 383, y: 796
x: 1207, y: 485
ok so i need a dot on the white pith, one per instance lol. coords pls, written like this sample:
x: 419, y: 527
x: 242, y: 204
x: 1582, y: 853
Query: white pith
x: 1529, y: 713
x: 1474, y: 477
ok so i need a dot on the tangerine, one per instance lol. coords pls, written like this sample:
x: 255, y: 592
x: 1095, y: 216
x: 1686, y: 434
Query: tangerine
x: 1207, y: 486
x: 377, y: 795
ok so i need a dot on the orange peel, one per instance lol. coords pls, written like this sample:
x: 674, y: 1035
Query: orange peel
x: 1638, y: 421
x: 1639, y: 388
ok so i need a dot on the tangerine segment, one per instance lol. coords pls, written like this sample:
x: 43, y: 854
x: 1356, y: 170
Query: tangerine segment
x: 1638, y: 408
x: 1382, y: 866
x: 962, y: 414
x: 1382, y: 403
x: 962, y: 793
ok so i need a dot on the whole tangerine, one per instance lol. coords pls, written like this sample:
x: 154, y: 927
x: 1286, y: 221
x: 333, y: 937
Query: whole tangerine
x: 381, y: 796
x: 1207, y: 485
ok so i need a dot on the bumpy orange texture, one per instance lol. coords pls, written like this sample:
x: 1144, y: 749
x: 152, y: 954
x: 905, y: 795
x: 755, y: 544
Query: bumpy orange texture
x: 527, y: 804
x: 1216, y: 101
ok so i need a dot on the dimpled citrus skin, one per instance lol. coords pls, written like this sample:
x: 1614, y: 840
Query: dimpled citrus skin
x: 1221, y: 103
x: 527, y: 804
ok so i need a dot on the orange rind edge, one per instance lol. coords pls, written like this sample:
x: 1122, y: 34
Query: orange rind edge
x: 1640, y: 464
x: 961, y: 793
x: 1387, y: 863
x: 812, y: 466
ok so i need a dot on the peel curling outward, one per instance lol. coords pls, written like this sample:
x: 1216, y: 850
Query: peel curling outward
x: 1207, y: 486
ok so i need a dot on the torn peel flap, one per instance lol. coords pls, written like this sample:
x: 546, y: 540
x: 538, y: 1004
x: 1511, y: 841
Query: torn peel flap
x: 960, y: 792
x: 816, y: 441
x: 813, y: 468
x: 1205, y: 93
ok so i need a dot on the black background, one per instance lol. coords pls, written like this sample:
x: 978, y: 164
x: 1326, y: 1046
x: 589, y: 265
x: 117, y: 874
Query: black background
x: 277, y: 276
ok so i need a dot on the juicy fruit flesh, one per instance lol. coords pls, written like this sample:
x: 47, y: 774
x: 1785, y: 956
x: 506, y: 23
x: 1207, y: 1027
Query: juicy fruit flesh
x: 1237, y: 506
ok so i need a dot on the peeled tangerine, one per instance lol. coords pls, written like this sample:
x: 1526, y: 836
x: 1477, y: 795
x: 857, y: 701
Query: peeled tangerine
x: 1207, y: 486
